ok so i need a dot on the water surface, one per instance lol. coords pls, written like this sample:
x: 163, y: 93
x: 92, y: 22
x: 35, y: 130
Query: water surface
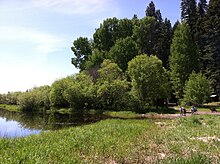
x: 13, y: 124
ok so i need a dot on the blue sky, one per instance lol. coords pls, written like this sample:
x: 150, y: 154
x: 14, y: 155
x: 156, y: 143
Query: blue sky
x: 36, y: 35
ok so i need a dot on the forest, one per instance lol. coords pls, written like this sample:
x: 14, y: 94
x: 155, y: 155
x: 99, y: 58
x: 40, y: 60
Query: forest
x: 138, y: 63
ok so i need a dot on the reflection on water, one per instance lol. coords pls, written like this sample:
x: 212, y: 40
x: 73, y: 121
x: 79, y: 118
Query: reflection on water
x: 14, y: 124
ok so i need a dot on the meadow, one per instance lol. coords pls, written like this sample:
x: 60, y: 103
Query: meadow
x: 194, y: 139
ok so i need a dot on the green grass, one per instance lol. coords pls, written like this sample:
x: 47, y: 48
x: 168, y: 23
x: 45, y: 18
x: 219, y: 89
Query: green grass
x: 194, y: 139
x: 122, y: 114
x: 13, y: 108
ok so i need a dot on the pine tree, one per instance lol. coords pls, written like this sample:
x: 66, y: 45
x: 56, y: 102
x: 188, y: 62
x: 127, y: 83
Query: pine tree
x: 200, y: 29
x: 150, y: 11
x: 212, y: 48
x: 161, y: 35
x: 188, y: 14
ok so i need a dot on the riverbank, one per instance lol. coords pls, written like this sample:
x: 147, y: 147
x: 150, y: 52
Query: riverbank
x: 12, y: 108
x: 184, y: 139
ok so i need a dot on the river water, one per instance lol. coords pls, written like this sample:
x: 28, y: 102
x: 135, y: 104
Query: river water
x: 13, y: 124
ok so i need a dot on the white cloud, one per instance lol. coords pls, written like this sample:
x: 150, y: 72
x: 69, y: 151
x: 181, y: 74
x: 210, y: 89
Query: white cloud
x: 85, y: 7
x: 42, y: 43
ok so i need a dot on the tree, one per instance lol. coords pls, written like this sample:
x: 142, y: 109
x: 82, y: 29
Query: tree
x: 176, y: 24
x: 160, y: 35
x: 144, y: 35
x: 123, y: 51
x: 197, y: 90
x: 149, y: 79
x: 151, y: 11
x: 95, y: 60
x: 56, y: 94
x: 79, y: 91
x: 200, y: 29
x: 112, y: 87
x: 163, y: 41
x: 189, y: 14
x: 183, y: 59
x: 82, y: 50
x: 109, y: 31
x: 211, y: 59
x: 27, y: 101
x: 42, y: 99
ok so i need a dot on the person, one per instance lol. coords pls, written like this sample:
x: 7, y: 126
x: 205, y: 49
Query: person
x: 193, y: 109
x: 182, y: 111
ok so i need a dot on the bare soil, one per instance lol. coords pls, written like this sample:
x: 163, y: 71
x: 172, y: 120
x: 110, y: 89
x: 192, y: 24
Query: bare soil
x: 173, y: 116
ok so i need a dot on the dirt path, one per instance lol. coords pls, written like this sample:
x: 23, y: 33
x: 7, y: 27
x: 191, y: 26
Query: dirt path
x: 172, y: 116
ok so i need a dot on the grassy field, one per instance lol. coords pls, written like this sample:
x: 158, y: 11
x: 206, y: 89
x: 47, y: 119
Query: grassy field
x: 194, y: 139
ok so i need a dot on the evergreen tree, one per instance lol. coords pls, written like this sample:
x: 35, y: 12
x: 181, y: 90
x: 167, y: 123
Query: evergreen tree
x: 144, y: 35
x: 150, y: 11
x: 161, y: 35
x: 212, y: 48
x: 188, y: 14
x: 202, y: 7
x: 200, y: 28
x: 167, y: 36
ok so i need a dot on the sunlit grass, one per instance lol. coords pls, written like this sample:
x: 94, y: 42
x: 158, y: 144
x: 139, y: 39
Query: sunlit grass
x: 194, y: 139
x: 122, y: 114
x: 13, y: 108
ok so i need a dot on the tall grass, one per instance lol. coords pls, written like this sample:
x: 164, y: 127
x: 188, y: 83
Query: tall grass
x: 193, y: 139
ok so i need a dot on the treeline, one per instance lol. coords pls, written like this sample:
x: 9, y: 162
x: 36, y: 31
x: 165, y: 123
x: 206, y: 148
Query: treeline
x: 192, y: 45
x: 136, y: 63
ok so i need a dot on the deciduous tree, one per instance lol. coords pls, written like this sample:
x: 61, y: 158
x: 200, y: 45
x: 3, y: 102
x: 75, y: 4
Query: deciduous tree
x: 197, y: 90
x: 149, y: 79
x: 183, y: 59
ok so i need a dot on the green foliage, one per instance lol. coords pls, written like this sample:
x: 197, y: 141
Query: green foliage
x: 123, y: 51
x: 79, y: 91
x: 35, y: 99
x: 27, y: 101
x: 183, y: 59
x: 82, y: 49
x: 56, y: 94
x: 149, y: 79
x: 144, y: 35
x: 95, y: 59
x: 211, y: 58
x: 11, y: 98
x: 189, y: 15
x: 197, y: 89
x: 112, y: 87
x: 42, y: 96
x: 110, y: 30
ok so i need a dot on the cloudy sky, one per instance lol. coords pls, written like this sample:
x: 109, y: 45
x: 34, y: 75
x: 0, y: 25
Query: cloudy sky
x: 36, y: 35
